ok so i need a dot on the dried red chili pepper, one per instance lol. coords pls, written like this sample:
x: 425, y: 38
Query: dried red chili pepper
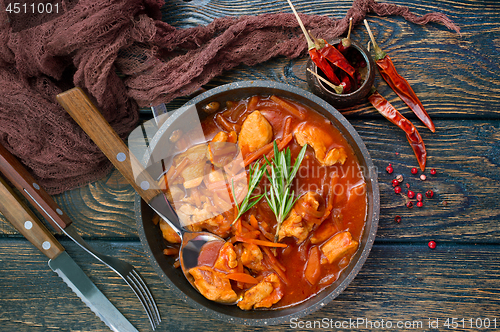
x: 323, y: 64
x: 346, y: 83
x: 316, y: 57
x: 334, y: 56
x: 398, y: 83
x: 392, y: 114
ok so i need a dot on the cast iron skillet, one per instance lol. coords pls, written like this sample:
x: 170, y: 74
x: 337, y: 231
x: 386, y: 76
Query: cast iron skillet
x: 151, y: 237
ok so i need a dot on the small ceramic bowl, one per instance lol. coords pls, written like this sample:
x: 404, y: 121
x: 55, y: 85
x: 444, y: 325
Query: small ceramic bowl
x: 349, y: 99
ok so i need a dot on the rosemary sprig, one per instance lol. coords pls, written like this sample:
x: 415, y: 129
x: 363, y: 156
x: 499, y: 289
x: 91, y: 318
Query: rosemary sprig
x: 255, y: 174
x: 279, y: 198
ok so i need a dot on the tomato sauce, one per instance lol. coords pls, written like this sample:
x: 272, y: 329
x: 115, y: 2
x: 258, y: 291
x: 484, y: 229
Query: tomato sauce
x: 350, y: 203
x: 305, y: 269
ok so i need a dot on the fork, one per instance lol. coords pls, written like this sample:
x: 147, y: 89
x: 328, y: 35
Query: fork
x: 127, y: 272
x: 15, y: 172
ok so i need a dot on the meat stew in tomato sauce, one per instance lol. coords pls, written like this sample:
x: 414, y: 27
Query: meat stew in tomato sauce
x: 259, y: 266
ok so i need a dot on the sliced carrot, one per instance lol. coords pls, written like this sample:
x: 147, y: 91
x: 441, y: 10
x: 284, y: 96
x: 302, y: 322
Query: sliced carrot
x: 273, y: 259
x: 220, y: 203
x: 251, y: 157
x: 240, y: 228
x: 289, y: 107
x: 254, y: 222
x: 242, y: 277
x: 266, y: 234
x: 196, y: 197
x: 238, y: 111
x: 226, y: 126
x: 281, y: 143
x: 170, y: 251
x: 178, y: 170
x: 331, y: 195
x: 276, y: 269
x: 252, y: 104
x: 261, y: 242
x: 232, y: 137
x: 284, y: 142
x: 313, y: 268
x: 288, y: 126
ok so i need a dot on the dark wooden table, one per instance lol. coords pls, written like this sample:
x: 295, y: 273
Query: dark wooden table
x: 457, y: 79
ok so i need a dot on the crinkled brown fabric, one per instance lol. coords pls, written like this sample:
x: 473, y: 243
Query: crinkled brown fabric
x: 94, y: 39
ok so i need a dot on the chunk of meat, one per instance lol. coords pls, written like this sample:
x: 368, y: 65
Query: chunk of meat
x: 255, y: 294
x: 264, y: 294
x: 175, y: 193
x: 221, y: 136
x: 222, y: 149
x: 214, y: 285
x: 255, y: 132
x: 218, y: 225
x: 226, y: 260
x: 189, y: 214
x: 323, y: 232
x: 168, y: 232
x: 275, y: 295
x: 252, y: 257
x: 193, y: 173
x: 295, y: 225
x: 339, y: 246
x: 319, y: 140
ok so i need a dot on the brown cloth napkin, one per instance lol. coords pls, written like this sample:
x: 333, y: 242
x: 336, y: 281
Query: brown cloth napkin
x: 91, y: 41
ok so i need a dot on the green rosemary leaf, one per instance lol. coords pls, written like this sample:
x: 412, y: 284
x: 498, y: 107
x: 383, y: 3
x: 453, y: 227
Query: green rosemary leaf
x: 255, y: 174
x: 278, y: 197
x: 298, y: 161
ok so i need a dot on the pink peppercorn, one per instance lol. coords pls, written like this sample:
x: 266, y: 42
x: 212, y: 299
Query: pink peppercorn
x: 420, y: 204
x: 414, y: 170
x: 389, y: 169
x: 397, y: 190
x: 419, y: 197
x: 432, y: 244
x: 433, y: 171
x: 411, y: 194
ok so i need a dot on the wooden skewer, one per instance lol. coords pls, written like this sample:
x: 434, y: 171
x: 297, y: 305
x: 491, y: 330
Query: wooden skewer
x: 338, y: 89
x: 310, y: 43
x: 346, y: 42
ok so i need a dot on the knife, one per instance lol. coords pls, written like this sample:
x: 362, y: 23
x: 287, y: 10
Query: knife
x: 23, y: 219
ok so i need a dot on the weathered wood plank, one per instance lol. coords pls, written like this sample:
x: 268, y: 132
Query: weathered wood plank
x: 455, y: 76
x: 397, y: 283
x: 466, y: 155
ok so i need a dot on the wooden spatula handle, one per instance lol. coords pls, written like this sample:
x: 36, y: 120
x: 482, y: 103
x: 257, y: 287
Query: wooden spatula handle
x: 88, y: 117
x: 19, y: 176
x: 21, y: 217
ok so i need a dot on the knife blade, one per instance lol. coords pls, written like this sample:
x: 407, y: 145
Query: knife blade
x: 25, y: 221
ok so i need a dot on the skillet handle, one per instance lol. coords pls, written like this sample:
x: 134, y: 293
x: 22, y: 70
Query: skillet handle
x: 88, y: 117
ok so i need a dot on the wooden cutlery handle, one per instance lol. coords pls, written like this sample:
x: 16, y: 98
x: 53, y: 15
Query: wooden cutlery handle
x: 19, y: 176
x: 21, y: 217
x: 88, y: 117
